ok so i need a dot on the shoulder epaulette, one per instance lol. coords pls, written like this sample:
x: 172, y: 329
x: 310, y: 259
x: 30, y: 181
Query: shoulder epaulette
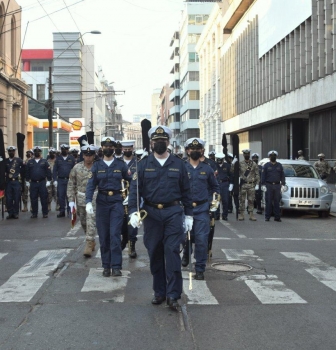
x: 142, y: 158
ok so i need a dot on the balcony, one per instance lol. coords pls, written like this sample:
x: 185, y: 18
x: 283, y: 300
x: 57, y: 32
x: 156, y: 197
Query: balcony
x: 175, y: 109
x: 174, y: 94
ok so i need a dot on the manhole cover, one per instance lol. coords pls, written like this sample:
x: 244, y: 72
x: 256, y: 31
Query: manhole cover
x: 231, y: 267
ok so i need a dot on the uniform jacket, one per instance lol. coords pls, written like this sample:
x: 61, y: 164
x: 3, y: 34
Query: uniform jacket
x: 253, y: 175
x: 273, y: 173
x: 62, y: 167
x: 322, y: 167
x: 14, y: 168
x: 38, y: 171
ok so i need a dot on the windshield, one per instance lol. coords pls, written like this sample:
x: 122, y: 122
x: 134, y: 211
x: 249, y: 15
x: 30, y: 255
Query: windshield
x: 295, y: 170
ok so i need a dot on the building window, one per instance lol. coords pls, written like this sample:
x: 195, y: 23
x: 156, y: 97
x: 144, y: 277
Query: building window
x: 30, y: 90
x: 40, y: 92
x: 193, y: 57
x: 194, y: 95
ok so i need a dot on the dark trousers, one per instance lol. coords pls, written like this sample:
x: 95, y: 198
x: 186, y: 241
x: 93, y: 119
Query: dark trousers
x: 13, y: 194
x: 109, y: 220
x: 163, y: 236
x: 230, y: 199
x: 258, y: 197
x: 273, y: 197
x: 39, y: 189
x: 62, y: 185
x: 224, y: 193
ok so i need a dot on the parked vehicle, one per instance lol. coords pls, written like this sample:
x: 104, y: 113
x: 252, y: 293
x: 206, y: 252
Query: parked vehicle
x: 305, y: 189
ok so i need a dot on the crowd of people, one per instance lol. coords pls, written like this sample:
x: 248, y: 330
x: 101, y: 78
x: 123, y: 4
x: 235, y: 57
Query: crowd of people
x: 115, y: 189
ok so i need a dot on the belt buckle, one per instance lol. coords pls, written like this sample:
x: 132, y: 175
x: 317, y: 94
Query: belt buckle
x: 160, y: 206
x: 110, y: 193
x: 194, y: 204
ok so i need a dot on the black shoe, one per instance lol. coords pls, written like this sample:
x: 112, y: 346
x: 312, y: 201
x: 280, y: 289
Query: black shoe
x: 132, y: 253
x: 185, y: 260
x: 173, y: 304
x: 61, y: 215
x: 217, y: 218
x: 9, y: 216
x: 15, y: 216
x: 116, y: 272
x: 45, y: 216
x: 107, y: 272
x: 267, y: 219
x: 230, y: 211
x: 277, y: 219
x: 199, y: 276
x: 224, y: 218
x: 158, y: 300
x: 259, y: 211
x: 34, y: 216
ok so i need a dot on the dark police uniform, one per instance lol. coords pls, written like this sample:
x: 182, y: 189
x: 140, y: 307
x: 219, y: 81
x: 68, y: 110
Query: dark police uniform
x: 14, y: 168
x: 61, y: 172
x: 36, y: 174
x: 224, y: 178
x: 109, y: 209
x: 163, y: 188
x: 203, y: 185
x: 258, y: 193
x: 272, y: 176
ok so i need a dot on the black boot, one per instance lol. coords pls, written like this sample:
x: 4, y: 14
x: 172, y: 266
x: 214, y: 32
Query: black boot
x: 107, y: 272
x: 131, y: 250
x: 185, y: 260
x: 199, y: 276
x: 9, y: 216
x: 61, y: 215
x: 173, y: 304
x: 116, y: 272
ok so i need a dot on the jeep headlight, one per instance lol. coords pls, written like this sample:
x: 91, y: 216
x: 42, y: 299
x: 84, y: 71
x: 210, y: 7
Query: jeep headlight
x: 324, y: 189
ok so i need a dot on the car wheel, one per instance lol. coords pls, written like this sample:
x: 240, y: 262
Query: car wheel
x: 324, y: 214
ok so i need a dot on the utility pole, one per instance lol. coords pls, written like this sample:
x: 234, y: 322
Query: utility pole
x: 91, y: 122
x: 50, y: 109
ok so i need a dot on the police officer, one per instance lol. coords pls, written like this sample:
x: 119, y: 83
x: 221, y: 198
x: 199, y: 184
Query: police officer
x: 258, y: 191
x: 163, y: 182
x: 212, y: 155
x: 62, y: 167
x: 131, y: 162
x: 14, y: 168
x: 29, y: 155
x: 322, y: 166
x: 272, y: 180
x: 225, y: 180
x: 37, y: 171
x: 52, y: 190
x: 203, y: 184
x: 230, y: 197
x: 107, y: 174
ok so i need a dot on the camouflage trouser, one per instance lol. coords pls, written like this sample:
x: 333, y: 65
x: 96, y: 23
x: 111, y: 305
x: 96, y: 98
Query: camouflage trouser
x: 25, y: 195
x: 88, y: 222
x: 52, y: 193
x: 246, y: 190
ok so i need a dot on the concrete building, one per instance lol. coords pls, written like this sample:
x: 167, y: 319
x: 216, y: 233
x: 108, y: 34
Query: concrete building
x: 155, y: 106
x: 13, y: 102
x: 165, y: 105
x: 132, y: 131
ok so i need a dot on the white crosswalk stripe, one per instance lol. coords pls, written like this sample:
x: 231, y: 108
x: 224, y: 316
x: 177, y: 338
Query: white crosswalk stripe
x: 2, y: 255
x: 240, y: 254
x: 24, y: 284
x: 323, y: 272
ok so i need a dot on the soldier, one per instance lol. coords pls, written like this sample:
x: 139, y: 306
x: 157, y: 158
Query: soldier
x: 75, y: 153
x: 258, y: 191
x: 272, y: 181
x: 249, y: 180
x: 78, y: 179
x: 62, y: 167
x: 29, y: 155
x: 14, y: 168
x: 300, y: 155
x: 230, y: 196
x: 203, y: 184
x: 52, y: 190
x: 118, y: 150
x: 37, y: 171
x: 162, y: 180
x: 225, y: 180
x: 130, y: 160
x: 208, y: 161
x: 322, y: 166
x: 212, y: 155
x: 107, y: 174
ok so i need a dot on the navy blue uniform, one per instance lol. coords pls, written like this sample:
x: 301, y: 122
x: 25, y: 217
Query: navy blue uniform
x: 36, y: 174
x: 109, y: 209
x: 258, y: 193
x: 14, y: 168
x: 224, y: 178
x: 272, y: 176
x: 203, y: 184
x: 163, y: 187
x: 61, y: 172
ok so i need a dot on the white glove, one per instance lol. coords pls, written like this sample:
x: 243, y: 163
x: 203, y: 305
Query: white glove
x: 72, y: 205
x: 55, y: 183
x: 134, y: 220
x: 27, y: 184
x: 263, y: 188
x: 284, y: 188
x: 230, y: 187
x: 213, y: 209
x: 48, y: 184
x: 188, y: 222
x: 1, y: 159
x: 234, y: 160
x: 256, y: 187
x: 89, y: 208
x: 125, y: 202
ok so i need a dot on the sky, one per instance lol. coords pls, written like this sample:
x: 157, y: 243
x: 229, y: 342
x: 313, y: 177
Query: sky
x: 133, y: 49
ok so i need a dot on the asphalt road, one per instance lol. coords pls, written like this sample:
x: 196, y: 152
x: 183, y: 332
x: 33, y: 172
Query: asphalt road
x: 51, y: 297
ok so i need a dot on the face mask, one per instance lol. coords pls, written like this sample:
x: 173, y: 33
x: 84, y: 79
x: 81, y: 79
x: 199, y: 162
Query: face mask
x: 64, y: 153
x: 108, y: 152
x: 247, y: 157
x: 128, y: 153
x: 273, y: 158
x: 321, y: 159
x: 52, y: 155
x: 11, y: 154
x: 255, y: 161
x: 219, y: 161
x: 195, y: 155
x: 37, y: 154
x: 118, y: 151
x: 160, y: 147
x: 28, y: 155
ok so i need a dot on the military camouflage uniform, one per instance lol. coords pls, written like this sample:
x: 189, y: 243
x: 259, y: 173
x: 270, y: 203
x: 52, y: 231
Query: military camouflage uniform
x: 52, y: 190
x: 247, y: 184
x: 301, y: 158
x: 78, y: 180
x: 323, y: 168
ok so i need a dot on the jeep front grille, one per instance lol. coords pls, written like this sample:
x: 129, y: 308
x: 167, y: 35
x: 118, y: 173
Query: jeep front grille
x: 304, y: 192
